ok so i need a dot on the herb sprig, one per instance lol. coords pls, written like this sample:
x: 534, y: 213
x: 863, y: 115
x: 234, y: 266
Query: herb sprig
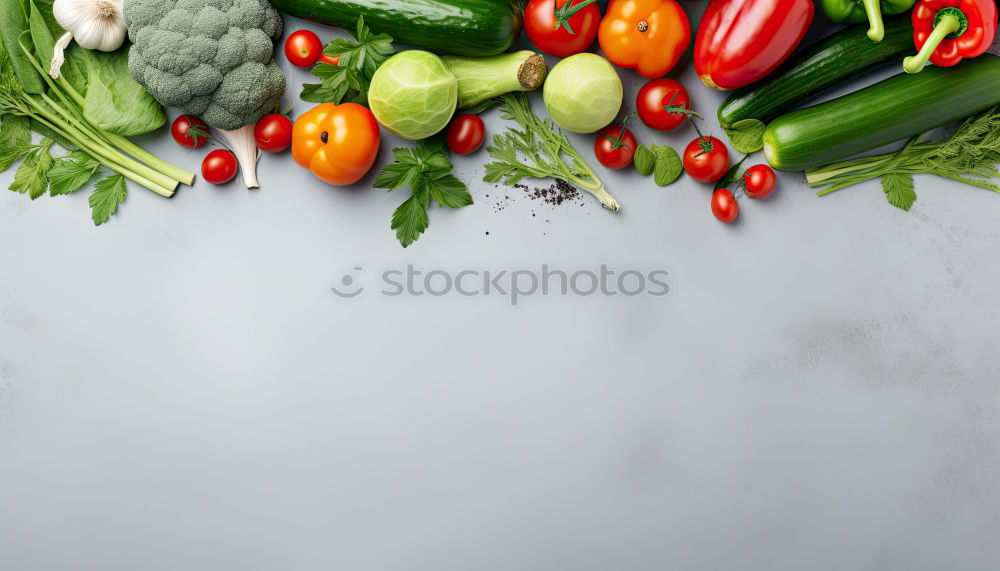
x: 970, y: 156
x: 428, y: 172
x: 547, y: 151
x: 349, y: 80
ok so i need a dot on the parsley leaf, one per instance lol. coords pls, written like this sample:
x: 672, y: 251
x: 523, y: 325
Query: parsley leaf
x: 15, y: 140
x: 32, y: 176
x: 898, y: 189
x: 70, y: 173
x: 348, y: 81
x: 108, y: 194
x: 428, y: 172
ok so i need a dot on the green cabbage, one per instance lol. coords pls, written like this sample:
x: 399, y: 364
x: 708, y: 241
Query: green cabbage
x: 413, y: 94
x: 583, y: 93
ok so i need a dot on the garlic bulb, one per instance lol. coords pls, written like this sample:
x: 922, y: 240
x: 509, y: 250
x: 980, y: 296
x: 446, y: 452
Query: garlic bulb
x: 95, y: 24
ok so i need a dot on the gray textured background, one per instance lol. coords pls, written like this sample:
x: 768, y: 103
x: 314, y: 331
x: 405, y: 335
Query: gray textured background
x: 180, y: 390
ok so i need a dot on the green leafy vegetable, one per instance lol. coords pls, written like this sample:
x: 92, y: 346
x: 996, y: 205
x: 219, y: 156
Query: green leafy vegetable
x: 15, y: 140
x: 348, y: 81
x: 108, y: 194
x: 668, y: 165
x: 549, y: 153
x: 59, y: 112
x: 747, y: 136
x: 31, y: 177
x: 428, y: 172
x: 70, y: 173
x: 644, y: 160
x: 970, y: 156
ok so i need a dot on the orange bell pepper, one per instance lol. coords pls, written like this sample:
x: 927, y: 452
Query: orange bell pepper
x: 648, y: 36
x: 338, y: 143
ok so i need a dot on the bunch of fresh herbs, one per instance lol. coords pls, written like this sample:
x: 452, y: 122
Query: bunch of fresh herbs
x: 427, y: 170
x: 349, y: 80
x: 547, y: 151
x: 970, y: 156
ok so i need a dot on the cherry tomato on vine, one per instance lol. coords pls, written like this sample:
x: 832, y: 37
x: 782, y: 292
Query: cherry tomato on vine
x: 706, y: 159
x: 615, y: 146
x: 219, y: 166
x: 466, y: 134
x: 653, y: 100
x: 273, y: 133
x: 562, y: 28
x: 724, y: 206
x: 190, y: 131
x: 759, y: 181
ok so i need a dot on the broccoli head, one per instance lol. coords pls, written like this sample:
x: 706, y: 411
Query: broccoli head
x: 210, y: 58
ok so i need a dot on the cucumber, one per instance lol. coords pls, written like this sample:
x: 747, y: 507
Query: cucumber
x: 897, y: 108
x: 825, y: 64
x: 464, y: 27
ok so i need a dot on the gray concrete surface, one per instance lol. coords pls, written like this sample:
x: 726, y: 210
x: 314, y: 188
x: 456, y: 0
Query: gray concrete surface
x: 180, y: 389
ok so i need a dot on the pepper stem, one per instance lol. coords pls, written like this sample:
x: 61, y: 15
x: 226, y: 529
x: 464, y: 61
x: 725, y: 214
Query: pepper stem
x: 876, y: 29
x: 946, y: 22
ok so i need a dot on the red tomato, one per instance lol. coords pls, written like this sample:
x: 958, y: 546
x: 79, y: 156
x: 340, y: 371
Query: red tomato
x: 615, y: 147
x: 724, y: 206
x: 189, y: 131
x: 759, y: 181
x: 219, y: 167
x: 655, y: 96
x: 273, y: 133
x: 576, y: 32
x: 303, y: 48
x: 706, y: 159
x: 466, y: 134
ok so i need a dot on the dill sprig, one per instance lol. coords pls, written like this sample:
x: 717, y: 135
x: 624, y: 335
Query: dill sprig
x: 969, y: 156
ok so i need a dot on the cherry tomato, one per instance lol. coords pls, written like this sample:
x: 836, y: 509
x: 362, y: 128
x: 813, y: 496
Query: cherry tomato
x: 189, y: 131
x: 759, y: 181
x: 615, y: 147
x: 303, y: 48
x: 724, y: 206
x: 273, y: 133
x: 540, y: 19
x: 466, y: 134
x: 338, y: 143
x: 706, y: 159
x: 655, y: 96
x: 219, y: 167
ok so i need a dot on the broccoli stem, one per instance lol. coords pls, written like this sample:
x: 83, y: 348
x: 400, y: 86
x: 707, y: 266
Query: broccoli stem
x: 242, y: 144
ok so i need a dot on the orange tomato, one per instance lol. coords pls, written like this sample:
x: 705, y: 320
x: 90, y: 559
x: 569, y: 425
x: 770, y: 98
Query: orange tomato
x: 338, y: 143
x: 648, y: 36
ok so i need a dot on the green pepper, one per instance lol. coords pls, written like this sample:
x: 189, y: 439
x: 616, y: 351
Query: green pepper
x: 858, y: 11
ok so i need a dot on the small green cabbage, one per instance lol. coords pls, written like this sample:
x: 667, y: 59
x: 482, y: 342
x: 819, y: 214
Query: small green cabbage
x: 583, y: 93
x: 413, y: 94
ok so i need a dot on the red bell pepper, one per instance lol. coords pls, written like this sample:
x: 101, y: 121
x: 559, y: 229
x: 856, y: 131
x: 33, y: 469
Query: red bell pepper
x: 741, y: 41
x: 945, y: 31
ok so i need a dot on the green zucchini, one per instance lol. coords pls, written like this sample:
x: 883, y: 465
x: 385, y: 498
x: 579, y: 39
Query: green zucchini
x: 464, y: 27
x: 823, y: 65
x: 893, y: 109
